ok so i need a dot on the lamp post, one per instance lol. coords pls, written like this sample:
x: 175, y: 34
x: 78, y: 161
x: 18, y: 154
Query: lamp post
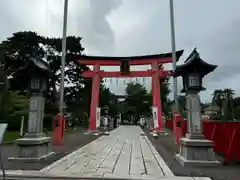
x: 195, y: 149
x: 63, y: 58
x: 174, y: 63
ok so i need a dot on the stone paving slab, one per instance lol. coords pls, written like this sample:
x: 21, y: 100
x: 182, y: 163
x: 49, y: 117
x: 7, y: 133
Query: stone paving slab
x: 124, y: 154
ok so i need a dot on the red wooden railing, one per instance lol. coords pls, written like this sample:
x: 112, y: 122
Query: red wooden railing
x: 225, y: 135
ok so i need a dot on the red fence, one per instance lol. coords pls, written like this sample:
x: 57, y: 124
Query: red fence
x: 225, y: 135
x: 169, y: 124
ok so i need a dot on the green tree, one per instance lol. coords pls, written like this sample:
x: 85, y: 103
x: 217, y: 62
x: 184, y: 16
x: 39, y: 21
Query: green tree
x: 182, y: 104
x: 237, y: 113
x: 229, y: 111
x: 218, y: 98
x: 137, y: 100
x: 223, y: 98
x: 22, y: 45
x: 166, y: 103
x: 3, y: 87
x: 17, y: 106
x: 108, y: 99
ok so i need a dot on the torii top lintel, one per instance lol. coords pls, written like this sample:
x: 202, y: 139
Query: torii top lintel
x: 133, y: 60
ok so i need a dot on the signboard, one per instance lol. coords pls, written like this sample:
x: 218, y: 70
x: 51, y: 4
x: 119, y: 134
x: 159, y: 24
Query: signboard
x: 120, y: 118
x: 3, y: 128
x: 105, y: 122
x: 98, y: 117
x: 155, y: 117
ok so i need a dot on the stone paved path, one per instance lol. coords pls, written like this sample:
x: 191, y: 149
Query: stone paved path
x: 125, y: 153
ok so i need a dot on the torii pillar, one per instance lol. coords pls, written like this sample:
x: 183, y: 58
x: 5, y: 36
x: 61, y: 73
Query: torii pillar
x: 95, y: 97
x: 156, y: 97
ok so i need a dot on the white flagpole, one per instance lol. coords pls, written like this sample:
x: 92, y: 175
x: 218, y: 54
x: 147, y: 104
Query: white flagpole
x: 63, y: 59
x: 175, y: 86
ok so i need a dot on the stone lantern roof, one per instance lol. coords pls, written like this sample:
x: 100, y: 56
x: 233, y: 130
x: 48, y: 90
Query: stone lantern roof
x: 36, y: 66
x: 194, y: 64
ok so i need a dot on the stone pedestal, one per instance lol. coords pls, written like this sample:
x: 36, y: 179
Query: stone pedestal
x: 34, y: 145
x: 195, y: 149
x: 32, y: 149
x: 196, y: 152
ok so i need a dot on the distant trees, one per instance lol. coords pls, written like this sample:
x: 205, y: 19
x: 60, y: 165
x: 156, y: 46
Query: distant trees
x: 17, y: 107
x: 3, y: 86
x: 16, y: 50
x: 218, y: 98
x: 223, y: 98
x: 139, y: 101
x: 164, y: 92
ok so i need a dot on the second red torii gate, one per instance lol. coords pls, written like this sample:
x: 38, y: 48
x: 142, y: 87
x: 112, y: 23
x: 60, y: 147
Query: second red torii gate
x: 156, y: 72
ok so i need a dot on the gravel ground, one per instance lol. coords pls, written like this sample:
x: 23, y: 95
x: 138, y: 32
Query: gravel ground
x: 73, y: 141
x: 167, y: 149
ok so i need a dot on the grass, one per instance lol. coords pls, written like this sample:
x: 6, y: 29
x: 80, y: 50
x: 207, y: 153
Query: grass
x: 10, y: 136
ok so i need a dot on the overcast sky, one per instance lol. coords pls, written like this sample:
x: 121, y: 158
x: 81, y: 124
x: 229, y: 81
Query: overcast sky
x: 139, y: 27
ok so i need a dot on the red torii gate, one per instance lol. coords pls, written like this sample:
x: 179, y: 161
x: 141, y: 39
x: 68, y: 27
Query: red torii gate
x: 156, y: 72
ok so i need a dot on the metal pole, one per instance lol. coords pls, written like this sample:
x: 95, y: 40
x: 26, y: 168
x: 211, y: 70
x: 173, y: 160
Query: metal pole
x: 175, y: 88
x: 61, y: 104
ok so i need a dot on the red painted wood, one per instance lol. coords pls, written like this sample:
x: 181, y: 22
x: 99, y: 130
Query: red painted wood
x: 233, y: 146
x: 59, y: 124
x: 156, y: 95
x: 131, y: 62
x: 94, y: 97
x: 169, y: 124
x: 179, y: 131
x: 147, y: 73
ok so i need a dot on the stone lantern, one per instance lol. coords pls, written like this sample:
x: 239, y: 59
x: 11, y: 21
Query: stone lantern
x: 195, y: 149
x: 35, y: 145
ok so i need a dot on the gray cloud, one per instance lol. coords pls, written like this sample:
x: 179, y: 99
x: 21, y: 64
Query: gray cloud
x: 93, y: 25
x: 135, y: 27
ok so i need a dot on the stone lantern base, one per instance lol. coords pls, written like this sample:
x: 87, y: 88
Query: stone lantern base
x: 196, y: 152
x: 33, y: 149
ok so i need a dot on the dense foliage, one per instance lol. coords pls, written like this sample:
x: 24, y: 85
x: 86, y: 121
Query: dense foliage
x: 227, y: 104
x: 15, y: 52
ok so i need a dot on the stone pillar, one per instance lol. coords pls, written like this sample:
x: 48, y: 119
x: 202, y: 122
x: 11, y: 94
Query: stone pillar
x: 36, y: 113
x: 34, y: 145
x: 193, y: 116
x: 195, y: 149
